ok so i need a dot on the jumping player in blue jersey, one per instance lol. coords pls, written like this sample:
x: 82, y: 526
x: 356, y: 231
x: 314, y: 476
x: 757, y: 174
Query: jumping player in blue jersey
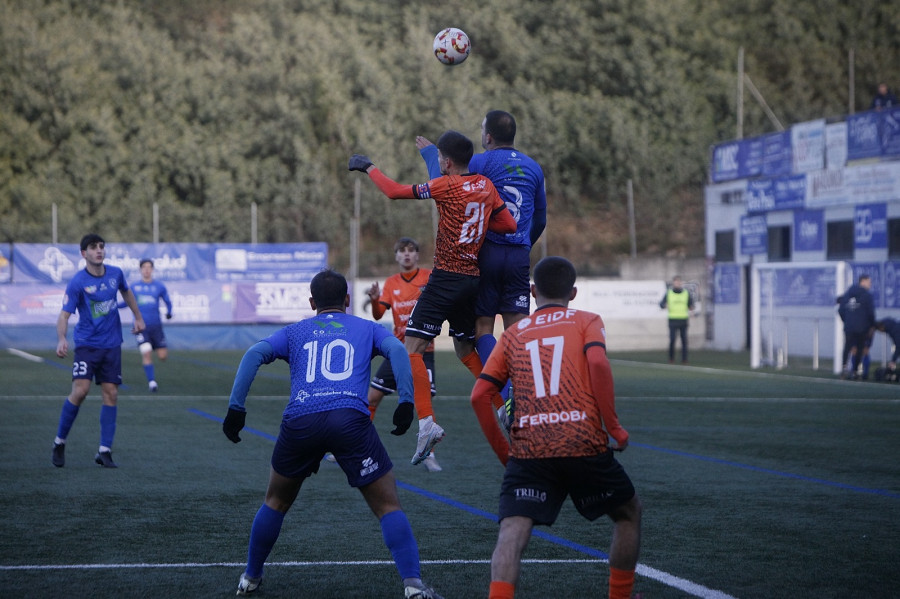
x: 149, y: 293
x: 98, y: 344
x: 504, y: 259
x: 330, y: 358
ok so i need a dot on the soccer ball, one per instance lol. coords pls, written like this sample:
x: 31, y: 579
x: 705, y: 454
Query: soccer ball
x: 451, y: 46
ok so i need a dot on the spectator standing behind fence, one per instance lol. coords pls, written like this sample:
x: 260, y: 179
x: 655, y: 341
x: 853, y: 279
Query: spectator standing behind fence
x: 856, y: 308
x: 680, y: 304
x: 885, y: 98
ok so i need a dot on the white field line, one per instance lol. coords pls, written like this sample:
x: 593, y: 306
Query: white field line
x: 691, y: 588
x: 25, y: 355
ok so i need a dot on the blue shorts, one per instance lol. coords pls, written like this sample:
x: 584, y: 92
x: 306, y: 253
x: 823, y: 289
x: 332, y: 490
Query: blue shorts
x: 450, y: 297
x: 347, y: 433
x: 153, y: 335
x: 504, y: 286
x: 537, y: 488
x: 384, y: 379
x: 104, y: 365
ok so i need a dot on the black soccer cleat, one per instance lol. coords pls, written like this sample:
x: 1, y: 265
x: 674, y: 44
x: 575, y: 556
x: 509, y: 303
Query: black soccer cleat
x: 58, y: 457
x: 104, y: 458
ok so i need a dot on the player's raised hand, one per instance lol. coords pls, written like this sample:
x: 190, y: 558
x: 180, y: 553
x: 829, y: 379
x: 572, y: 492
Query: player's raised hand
x: 233, y: 424
x: 403, y: 417
x: 359, y: 162
x: 374, y: 292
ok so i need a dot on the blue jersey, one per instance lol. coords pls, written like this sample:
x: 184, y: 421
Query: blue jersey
x: 520, y: 182
x: 94, y: 298
x: 148, y: 296
x: 330, y: 356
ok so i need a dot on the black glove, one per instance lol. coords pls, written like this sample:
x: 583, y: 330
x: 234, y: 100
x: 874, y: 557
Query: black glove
x: 359, y: 162
x: 169, y: 316
x: 403, y: 417
x: 233, y: 424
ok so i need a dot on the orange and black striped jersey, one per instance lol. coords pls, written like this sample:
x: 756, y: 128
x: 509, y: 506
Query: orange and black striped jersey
x: 400, y: 293
x: 465, y: 203
x: 552, y: 359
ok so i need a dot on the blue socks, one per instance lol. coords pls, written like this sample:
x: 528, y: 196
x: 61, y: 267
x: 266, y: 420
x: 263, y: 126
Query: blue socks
x: 148, y: 370
x: 263, y: 534
x: 484, y: 345
x: 66, y: 419
x: 398, y: 537
x: 107, y: 425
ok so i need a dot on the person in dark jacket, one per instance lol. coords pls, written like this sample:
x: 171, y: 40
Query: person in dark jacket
x: 885, y: 98
x: 891, y: 328
x: 857, y: 310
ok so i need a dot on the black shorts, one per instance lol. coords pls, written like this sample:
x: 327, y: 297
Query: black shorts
x: 104, y: 365
x: 384, y: 379
x: 447, y: 296
x: 152, y: 334
x: 537, y: 488
x: 504, y: 286
x: 347, y: 433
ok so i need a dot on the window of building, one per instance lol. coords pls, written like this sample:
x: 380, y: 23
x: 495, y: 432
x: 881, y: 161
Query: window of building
x: 780, y: 244
x: 724, y: 246
x: 839, y: 240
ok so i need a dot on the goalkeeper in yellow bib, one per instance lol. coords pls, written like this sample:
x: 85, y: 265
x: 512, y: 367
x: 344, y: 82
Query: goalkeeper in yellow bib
x: 680, y: 304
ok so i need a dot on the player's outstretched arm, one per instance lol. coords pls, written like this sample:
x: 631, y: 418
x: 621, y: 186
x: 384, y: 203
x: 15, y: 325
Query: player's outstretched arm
x: 393, y: 349
x: 129, y: 298
x: 502, y: 221
x: 604, y: 393
x: 259, y: 354
x: 482, y: 393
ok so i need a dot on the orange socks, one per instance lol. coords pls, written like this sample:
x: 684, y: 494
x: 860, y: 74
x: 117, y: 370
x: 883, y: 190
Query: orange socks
x: 473, y: 363
x: 621, y: 583
x: 421, y: 387
x: 501, y: 590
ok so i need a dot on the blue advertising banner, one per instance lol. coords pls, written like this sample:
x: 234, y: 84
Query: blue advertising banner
x: 754, y: 235
x: 891, y: 284
x: 873, y: 269
x: 890, y: 132
x: 727, y: 282
x: 870, y: 226
x: 760, y: 195
x: 790, y: 192
x: 44, y: 263
x: 207, y: 283
x: 863, y: 137
x: 809, y: 228
x: 777, y: 154
x: 738, y: 159
x: 813, y: 286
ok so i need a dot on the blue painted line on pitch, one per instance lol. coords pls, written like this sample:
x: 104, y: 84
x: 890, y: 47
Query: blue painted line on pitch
x: 446, y: 500
x: 493, y: 518
x: 800, y: 477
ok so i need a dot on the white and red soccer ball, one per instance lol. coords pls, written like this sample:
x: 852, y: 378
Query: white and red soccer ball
x: 452, y: 46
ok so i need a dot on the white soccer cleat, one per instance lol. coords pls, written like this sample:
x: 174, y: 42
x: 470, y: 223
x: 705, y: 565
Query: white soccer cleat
x: 432, y: 464
x: 153, y: 386
x: 247, y: 585
x: 420, y: 591
x: 430, y: 433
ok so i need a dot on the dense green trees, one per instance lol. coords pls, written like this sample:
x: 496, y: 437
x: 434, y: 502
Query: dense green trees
x: 209, y: 106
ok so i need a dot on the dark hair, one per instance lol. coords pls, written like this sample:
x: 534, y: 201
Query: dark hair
x: 146, y: 261
x: 457, y: 147
x: 328, y: 289
x: 501, y: 126
x: 404, y: 242
x: 89, y: 240
x: 864, y: 277
x: 554, y: 277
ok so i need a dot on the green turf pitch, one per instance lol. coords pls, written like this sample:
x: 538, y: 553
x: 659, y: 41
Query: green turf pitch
x: 767, y: 484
